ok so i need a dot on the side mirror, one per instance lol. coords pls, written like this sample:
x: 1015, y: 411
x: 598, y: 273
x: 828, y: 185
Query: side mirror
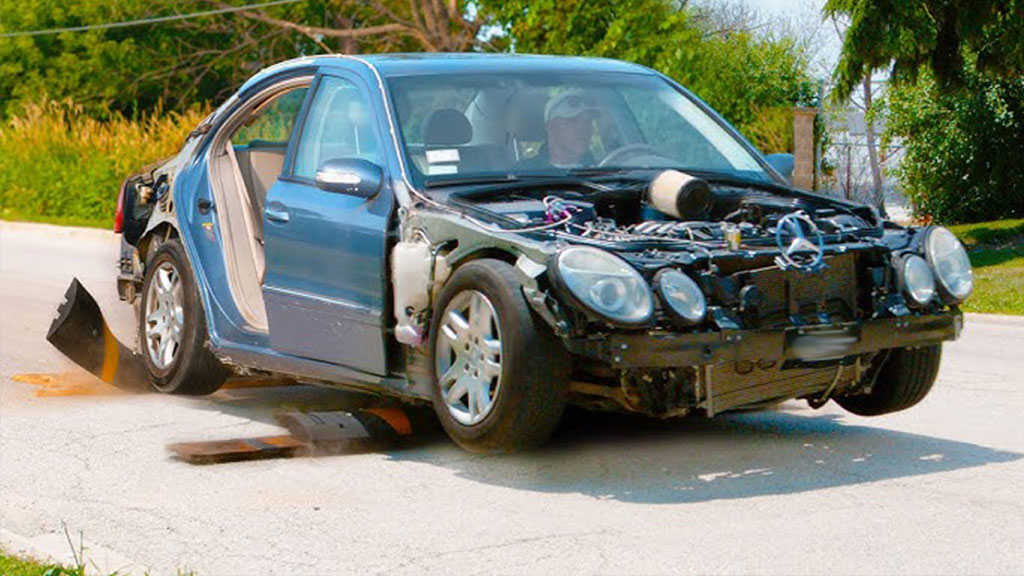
x: 783, y: 164
x: 351, y: 176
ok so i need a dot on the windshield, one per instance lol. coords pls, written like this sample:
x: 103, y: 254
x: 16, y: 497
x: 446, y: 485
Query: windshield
x: 469, y: 126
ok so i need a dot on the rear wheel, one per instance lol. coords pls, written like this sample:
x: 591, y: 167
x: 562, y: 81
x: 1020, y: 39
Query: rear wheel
x: 172, y: 327
x: 904, y: 379
x: 500, y: 375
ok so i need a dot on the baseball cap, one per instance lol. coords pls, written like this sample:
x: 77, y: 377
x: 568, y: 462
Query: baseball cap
x: 569, y: 105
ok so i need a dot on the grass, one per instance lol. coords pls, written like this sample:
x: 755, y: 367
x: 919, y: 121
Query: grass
x: 15, y: 566
x: 997, y: 254
x: 998, y: 281
x: 18, y: 566
x: 59, y: 165
x: 990, y: 234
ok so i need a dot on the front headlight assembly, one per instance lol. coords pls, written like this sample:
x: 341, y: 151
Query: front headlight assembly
x: 950, y: 263
x: 681, y: 294
x: 604, y: 284
x: 916, y: 280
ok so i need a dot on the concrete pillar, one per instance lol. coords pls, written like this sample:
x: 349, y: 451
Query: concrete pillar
x: 803, y: 147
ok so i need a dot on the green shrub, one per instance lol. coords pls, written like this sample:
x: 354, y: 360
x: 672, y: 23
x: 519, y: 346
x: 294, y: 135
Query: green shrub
x: 963, y: 148
x: 59, y: 165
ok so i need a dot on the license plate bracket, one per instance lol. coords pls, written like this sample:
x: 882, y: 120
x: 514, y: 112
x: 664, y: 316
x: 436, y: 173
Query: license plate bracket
x: 821, y: 343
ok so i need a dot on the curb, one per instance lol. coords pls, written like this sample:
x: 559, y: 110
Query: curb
x: 53, y: 547
x: 995, y: 319
x: 18, y: 226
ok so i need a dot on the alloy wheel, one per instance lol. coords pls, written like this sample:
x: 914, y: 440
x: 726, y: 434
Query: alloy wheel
x: 467, y: 357
x: 165, y: 315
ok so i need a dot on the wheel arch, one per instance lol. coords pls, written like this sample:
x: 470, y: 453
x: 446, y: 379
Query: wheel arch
x: 491, y: 252
x: 152, y: 239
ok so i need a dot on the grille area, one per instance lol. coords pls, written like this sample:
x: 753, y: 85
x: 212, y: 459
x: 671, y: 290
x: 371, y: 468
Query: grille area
x: 832, y: 291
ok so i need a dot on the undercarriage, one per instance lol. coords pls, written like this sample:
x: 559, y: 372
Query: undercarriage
x: 671, y: 374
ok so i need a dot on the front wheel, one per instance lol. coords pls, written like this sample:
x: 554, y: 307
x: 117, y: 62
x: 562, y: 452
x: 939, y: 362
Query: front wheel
x: 500, y: 375
x: 903, y: 380
x: 172, y: 327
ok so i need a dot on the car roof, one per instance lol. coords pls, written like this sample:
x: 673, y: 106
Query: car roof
x: 389, y: 65
x: 427, y: 63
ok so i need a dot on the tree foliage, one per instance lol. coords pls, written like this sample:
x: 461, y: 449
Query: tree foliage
x: 963, y: 148
x: 172, y: 64
x: 59, y: 164
x: 750, y: 77
x: 933, y: 33
x: 738, y: 72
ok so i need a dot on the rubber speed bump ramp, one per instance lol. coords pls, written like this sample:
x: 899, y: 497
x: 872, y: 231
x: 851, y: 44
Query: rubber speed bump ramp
x: 238, y: 449
x: 316, y: 433
x: 347, y: 432
x: 80, y: 332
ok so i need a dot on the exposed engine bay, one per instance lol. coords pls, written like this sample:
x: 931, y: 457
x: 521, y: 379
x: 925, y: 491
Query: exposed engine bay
x: 674, y: 211
x: 763, y: 258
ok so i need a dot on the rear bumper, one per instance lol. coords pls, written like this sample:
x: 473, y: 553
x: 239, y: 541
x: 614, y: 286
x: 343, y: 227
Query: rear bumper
x: 799, y: 344
x: 129, y: 279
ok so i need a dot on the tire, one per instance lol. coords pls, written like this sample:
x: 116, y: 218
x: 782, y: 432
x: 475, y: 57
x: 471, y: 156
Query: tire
x: 904, y: 380
x: 529, y: 394
x: 190, y: 368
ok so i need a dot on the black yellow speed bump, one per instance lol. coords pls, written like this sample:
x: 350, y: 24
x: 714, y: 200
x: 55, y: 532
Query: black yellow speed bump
x: 316, y: 434
x: 80, y: 333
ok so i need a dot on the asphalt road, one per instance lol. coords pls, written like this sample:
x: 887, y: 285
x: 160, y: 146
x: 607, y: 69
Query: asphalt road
x: 936, y: 490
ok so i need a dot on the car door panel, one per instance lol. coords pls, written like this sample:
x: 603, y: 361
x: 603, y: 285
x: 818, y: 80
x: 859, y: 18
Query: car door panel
x: 324, y: 287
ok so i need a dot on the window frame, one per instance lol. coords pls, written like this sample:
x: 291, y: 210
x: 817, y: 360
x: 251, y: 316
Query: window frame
x: 288, y: 171
x: 262, y: 108
x: 421, y: 184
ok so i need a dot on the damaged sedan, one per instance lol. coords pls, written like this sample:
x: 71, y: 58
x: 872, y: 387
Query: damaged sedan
x: 502, y: 235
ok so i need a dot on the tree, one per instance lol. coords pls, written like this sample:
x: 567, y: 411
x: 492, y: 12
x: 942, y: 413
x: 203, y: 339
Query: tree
x: 741, y: 72
x: 173, y: 64
x: 433, y: 25
x: 963, y: 148
x: 935, y: 33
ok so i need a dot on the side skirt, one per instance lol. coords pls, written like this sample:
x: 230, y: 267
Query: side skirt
x: 317, y: 372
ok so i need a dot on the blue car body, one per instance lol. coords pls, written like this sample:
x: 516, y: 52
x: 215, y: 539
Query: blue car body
x: 328, y: 287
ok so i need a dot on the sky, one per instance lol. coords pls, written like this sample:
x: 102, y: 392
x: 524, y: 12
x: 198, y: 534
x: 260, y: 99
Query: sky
x: 804, y: 15
x: 785, y: 7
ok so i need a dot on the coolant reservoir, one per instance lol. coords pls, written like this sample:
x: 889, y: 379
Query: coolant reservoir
x: 410, y: 276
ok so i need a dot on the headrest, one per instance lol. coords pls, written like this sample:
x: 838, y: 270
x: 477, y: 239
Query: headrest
x: 447, y: 127
x: 525, y: 116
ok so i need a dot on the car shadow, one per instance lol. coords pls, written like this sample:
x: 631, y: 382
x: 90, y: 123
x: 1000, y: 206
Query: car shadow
x: 785, y: 450
x: 732, y: 456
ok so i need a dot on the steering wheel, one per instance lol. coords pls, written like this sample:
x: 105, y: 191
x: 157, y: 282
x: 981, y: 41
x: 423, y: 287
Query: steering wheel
x: 623, y: 154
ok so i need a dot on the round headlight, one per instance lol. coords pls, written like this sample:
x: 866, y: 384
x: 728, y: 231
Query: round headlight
x: 681, y: 294
x: 917, y: 280
x: 605, y: 284
x: 951, y: 265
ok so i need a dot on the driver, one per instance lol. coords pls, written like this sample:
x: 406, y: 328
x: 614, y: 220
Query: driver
x: 569, y: 126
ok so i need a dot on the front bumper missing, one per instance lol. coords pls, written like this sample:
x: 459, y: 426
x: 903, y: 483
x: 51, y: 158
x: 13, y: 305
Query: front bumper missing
x: 796, y: 344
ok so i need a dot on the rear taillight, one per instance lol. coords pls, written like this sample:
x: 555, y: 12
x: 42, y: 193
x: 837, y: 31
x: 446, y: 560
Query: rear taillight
x: 119, y: 214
